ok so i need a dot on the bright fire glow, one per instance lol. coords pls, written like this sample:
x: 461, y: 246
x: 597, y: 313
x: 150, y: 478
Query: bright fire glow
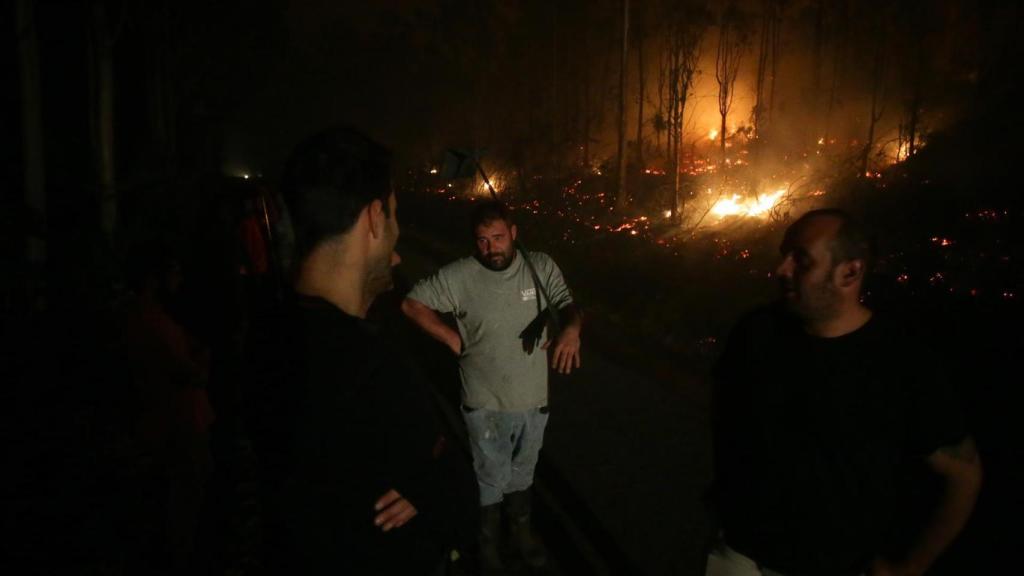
x: 753, y: 207
x: 496, y: 181
x: 712, y: 134
x: 903, y: 152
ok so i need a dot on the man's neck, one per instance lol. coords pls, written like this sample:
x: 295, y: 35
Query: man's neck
x: 848, y: 320
x: 338, y: 282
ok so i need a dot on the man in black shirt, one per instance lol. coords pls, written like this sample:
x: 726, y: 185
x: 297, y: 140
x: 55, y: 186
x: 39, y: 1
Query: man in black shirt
x: 819, y: 405
x: 360, y: 478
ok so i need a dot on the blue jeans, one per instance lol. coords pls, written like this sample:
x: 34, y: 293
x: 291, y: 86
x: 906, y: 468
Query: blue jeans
x: 505, y: 448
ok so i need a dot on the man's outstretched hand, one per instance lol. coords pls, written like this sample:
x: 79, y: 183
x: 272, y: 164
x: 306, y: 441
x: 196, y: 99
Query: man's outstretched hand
x: 566, y: 354
x: 393, y: 511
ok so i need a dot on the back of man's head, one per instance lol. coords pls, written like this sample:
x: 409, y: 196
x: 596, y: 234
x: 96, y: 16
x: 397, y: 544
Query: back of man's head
x: 852, y: 241
x: 486, y: 212
x: 328, y: 180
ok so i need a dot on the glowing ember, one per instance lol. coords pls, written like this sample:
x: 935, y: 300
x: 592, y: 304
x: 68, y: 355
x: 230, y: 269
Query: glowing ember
x: 738, y: 206
x: 712, y: 134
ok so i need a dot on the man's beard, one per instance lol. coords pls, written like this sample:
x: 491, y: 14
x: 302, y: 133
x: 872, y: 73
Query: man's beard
x: 498, y: 261
x: 814, y: 304
x: 380, y: 276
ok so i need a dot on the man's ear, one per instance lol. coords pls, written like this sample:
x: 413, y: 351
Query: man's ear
x: 850, y: 273
x: 376, y: 217
x: 513, y: 231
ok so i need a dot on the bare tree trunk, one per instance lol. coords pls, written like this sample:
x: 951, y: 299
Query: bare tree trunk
x: 819, y: 56
x: 776, y: 46
x: 621, y: 199
x: 877, y: 95
x: 584, y: 88
x: 912, y: 123
x: 730, y: 50
x: 104, y: 38
x: 31, y: 124
x: 673, y: 122
x: 916, y: 97
x: 673, y: 97
x: 586, y: 115
x: 679, y: 202
x: 727, y: 64
x: 837, y: 59
x: 554, y: 80
x: 660, y: 125
x: 161, y: 93
x: 640, y: 101
x: 762, y: 68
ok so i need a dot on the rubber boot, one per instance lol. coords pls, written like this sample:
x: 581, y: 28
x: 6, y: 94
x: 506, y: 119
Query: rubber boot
x: 490, y: 533
x: 524, y: 541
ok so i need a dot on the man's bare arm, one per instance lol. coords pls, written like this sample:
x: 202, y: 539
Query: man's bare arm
x: 430, y: 322
x: 960, y: 466
x: 566, y: 353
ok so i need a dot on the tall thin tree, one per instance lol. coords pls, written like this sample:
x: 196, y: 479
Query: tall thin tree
x: 686, y: 29
x: 104, y: 37
x: 878, y: 87
x: 731, y: 43
x: 31, y: 122
x: 638, y: 29
x: 621, y: 199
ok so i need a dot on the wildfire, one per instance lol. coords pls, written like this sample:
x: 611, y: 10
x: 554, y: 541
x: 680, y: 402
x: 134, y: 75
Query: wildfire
x: 749, y: 207
x: 712, y: 134
x: 496, y: 181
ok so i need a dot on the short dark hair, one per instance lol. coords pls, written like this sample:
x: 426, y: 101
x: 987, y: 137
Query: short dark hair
x: 328, y: 180
x: 853, y: 240
x: 486, y: 212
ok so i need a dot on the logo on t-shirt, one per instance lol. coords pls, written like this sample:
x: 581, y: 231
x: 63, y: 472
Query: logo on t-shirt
x: 529, y: 294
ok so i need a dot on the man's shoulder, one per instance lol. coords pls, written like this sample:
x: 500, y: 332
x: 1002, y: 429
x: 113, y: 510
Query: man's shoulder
x: 459, y: 267
x: 324, y: 329
x: 543, y: 263
x: 765, y: 320
x: 540, y: 258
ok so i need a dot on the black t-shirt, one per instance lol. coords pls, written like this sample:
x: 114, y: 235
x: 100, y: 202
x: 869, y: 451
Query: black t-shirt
x: 352, y: 424
x: 811, y: 436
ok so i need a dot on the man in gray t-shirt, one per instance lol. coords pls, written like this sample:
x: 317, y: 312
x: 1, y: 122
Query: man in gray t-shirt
x: 502, y: 320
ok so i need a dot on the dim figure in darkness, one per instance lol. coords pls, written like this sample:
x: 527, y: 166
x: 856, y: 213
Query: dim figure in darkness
x: 500, y: 307
x: 170, y: 371
x: 820, y: 407
x: 361, y: 478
